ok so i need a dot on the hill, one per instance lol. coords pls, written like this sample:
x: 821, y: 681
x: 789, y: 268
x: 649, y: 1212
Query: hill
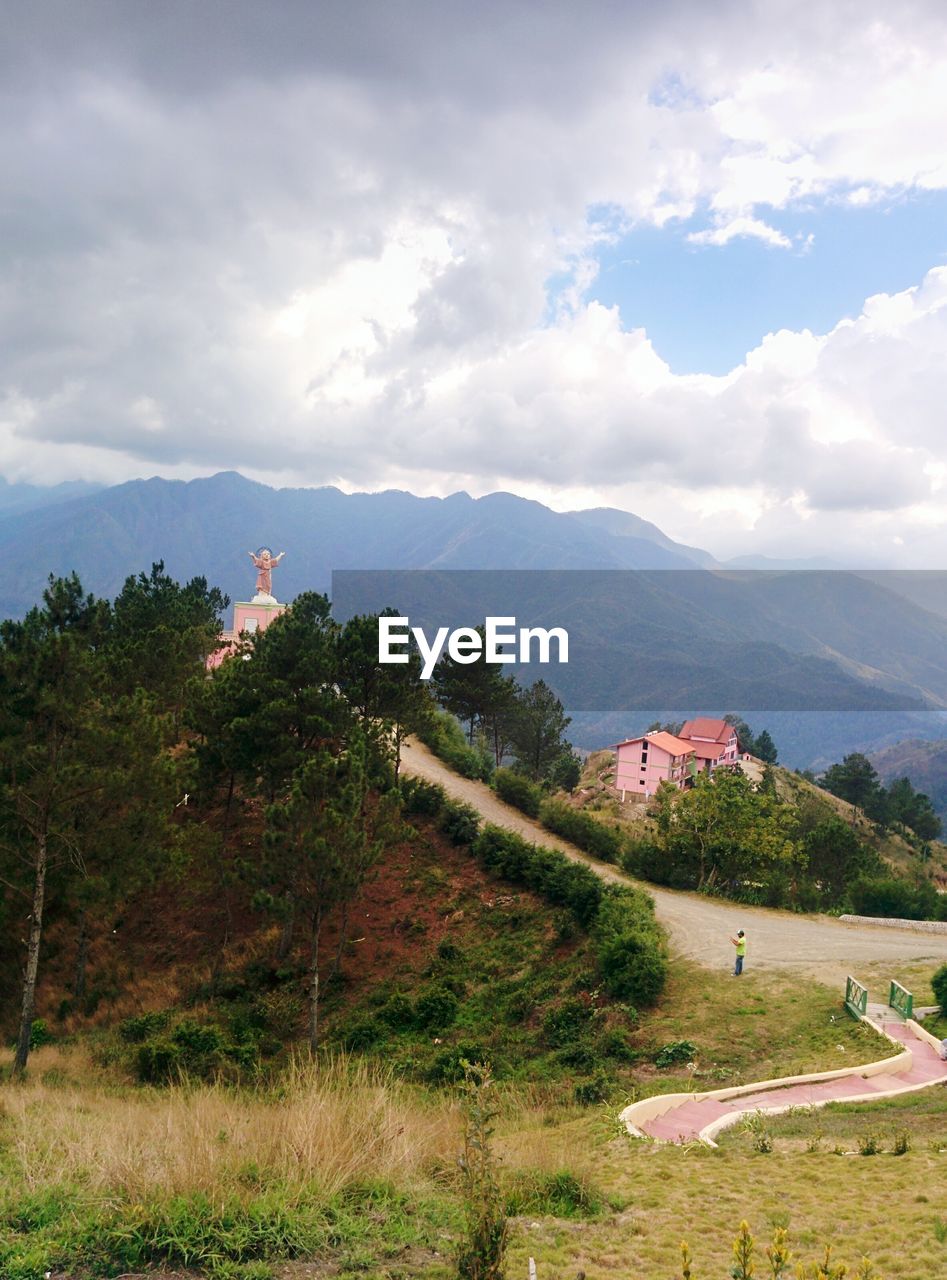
x: 207, y: 526
x: 925, y: 763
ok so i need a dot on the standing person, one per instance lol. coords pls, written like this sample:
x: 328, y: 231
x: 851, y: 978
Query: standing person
x: 740, y: 943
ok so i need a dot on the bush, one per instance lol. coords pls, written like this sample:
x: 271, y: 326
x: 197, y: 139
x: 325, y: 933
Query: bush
x: 591, y: 1091
x: 143, y: 1026
x: 425, y: 799
x: 583, y: 829
x: 436, y: 1009
x: 518, y: 791
x: 939, y: 987
x: 40, y: 1034
x: 630, y: 946
x: 648, y: 861
x: 193, y: 1049
x: 448, y: 1067
x: 364, y: 1033
x: 447, y: 740
x: 459, y: 822
x: 566, y: 1022
x: 398, y: 1012
x: 559, y: 1195
x: 676, y: 1051
x: 900, y: 899
x: 159, y: 1061
x: 546, y: 871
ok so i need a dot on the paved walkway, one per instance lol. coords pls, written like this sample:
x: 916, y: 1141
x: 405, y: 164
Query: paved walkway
x: 686, y: 1121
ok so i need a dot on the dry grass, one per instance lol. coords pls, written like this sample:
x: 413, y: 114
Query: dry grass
x: 328, y: 1125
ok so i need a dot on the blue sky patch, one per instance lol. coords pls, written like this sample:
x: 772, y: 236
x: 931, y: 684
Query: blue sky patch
x: 705, y: 306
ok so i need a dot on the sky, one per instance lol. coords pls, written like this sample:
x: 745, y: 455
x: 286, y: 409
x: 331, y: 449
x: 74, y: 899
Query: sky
x: 688, y: 260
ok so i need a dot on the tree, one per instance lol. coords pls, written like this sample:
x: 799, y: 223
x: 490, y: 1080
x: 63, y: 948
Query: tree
x: 321, y: 842
x: 390, y: 699
x: 856, y: 781
x: 81, y: 776
x: 913, y: 808
x: 477, y: 693
x: 723, y: 831
x: 537, y: 731
x: 835, y: 856
x: 764, y: 748
x: 161, y: 635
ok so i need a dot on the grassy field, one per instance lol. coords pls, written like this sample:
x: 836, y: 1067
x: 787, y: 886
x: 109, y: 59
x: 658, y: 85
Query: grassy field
x: 352, y: 1166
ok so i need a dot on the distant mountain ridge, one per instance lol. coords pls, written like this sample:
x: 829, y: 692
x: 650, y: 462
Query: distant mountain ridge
x: 684, y: 639
x: 207, y: 526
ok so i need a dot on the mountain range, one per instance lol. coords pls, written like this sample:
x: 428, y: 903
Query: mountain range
x: 706, y: 637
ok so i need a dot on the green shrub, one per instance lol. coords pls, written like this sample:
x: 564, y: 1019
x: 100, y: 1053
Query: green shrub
x: 448, y: 1066
x: 364, y: 1033
x: 583, y: 829
x: 197, y: 1050
x: 398, y: 1012
x: 436, y: 1009
x: 459, y: 822
x: 40, y: 1034
x: 614, y: 1044
x: 546, y: 871
x: 518, y: 791
x: 676, y: 1051
x: 446, y: 739
x: 648, y: 861
x: 580, y: 1056
x: 159, y: 1061
x: 939, y: 987
x: 566, y: 1022
x: 630, y: 946
x: 588, y: 1092
x: 425, y: 799
x: 143, y: 1026
x: 887, y: 896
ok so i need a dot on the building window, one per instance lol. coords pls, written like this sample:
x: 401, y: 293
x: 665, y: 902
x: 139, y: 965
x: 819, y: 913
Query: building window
x: 251, y: 624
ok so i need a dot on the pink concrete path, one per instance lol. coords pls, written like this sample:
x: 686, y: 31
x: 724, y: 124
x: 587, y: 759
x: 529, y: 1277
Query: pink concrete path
x: 686, y: 1121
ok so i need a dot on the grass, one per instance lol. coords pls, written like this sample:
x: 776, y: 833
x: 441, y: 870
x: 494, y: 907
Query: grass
x: 764, y: 1026
x: 336, y: 1157
x: 886, y: 1207
x: 922, y: 1116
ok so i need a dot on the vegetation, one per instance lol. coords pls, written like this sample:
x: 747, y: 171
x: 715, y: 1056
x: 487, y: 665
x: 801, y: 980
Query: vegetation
x: 291, y: 1092
x: 856, y: 780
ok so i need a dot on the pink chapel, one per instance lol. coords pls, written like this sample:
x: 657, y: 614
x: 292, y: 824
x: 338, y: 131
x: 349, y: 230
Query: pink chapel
x: 251, y: 616
x: 702, y: 745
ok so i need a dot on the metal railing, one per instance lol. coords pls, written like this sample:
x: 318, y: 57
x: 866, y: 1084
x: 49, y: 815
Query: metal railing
x: 856, y: 998
x: 901, y: 1000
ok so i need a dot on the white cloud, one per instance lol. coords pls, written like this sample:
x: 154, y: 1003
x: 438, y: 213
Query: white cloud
x: 741, y: 228
x: 324, y: 252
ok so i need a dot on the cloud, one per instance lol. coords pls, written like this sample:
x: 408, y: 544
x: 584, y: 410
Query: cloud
x: 741, y: 228
x: 317, y: 241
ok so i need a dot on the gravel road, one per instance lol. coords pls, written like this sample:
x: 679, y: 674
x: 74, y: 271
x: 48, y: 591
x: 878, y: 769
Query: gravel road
x: 700, y: 928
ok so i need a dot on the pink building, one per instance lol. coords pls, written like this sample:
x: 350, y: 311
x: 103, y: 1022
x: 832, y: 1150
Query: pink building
x: 249, y: 616
x: 702, y: 745
x: 643, y: 763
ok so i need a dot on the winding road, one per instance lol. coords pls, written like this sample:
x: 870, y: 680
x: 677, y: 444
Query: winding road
x: 700, y: 928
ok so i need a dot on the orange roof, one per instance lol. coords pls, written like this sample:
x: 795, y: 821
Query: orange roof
x: 707, y: 727
x: 707, y: 750
x: 666, y: 741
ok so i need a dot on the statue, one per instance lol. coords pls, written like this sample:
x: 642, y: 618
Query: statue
x: 265, y: 562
